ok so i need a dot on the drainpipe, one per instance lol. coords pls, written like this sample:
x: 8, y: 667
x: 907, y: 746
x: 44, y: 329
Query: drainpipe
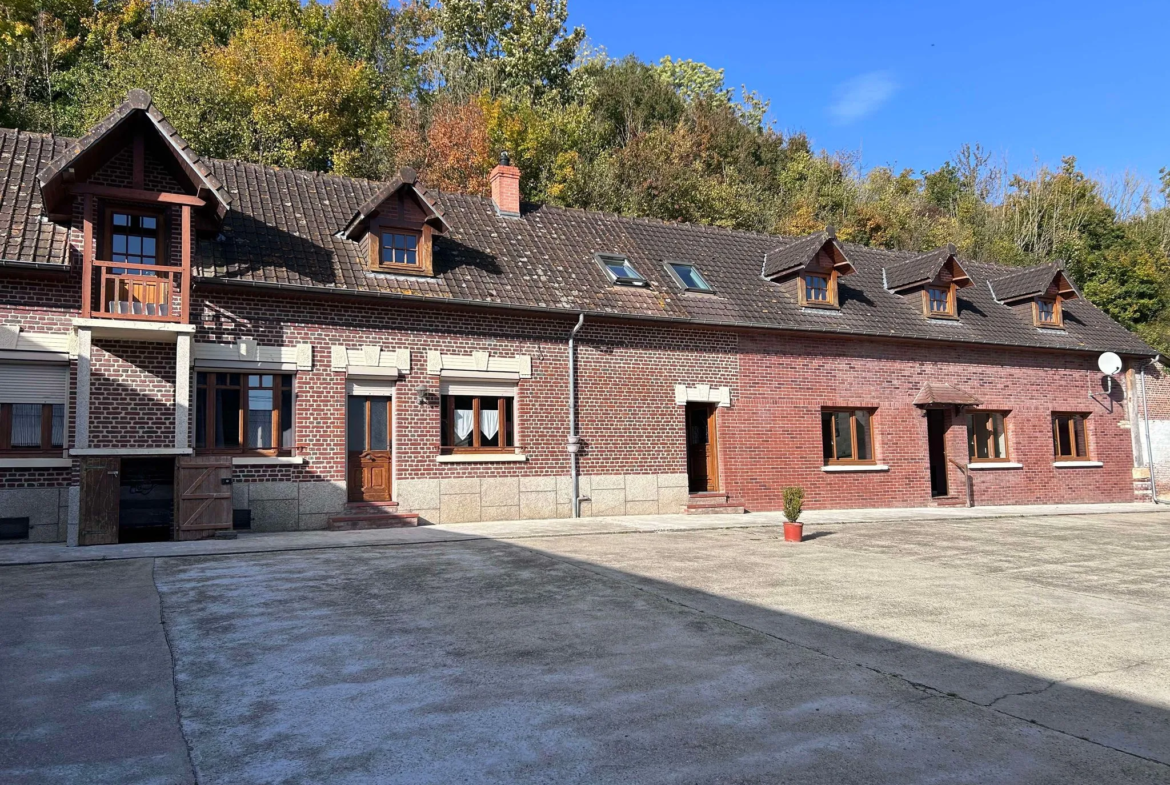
x: 1149, y: 444
x: 574, y: 440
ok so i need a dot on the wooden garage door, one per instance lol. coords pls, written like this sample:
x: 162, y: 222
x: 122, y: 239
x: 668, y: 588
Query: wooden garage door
x: 204, y: 496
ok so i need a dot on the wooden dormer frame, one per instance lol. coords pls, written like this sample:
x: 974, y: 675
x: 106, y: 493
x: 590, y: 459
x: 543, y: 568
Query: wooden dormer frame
x: 833, y: 303
x: 424, y: 250
x: 1057, y: 321
x: 952, y: 294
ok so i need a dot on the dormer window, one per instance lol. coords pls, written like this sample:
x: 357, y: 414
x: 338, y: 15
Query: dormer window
x: 939, y: 302
x: 399, y: 248
x: 620, y: 270
x: 688, y: 277
x: 818, y: 290
x: 1047, y: 312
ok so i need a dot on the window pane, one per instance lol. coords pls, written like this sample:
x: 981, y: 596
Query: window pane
x: 510, y: 431
x: 970, y: 436
x: 816, y: 288
x: 463, y: 424
x: 119, y: 243
x: 999, y: 440
x: 619, y: 270
x: 843, y: 437
x: 148, y: 222
x: 201, y: 413
x: 58, y: 425
x: 411, y: 242
x: 379, y: 423
x: 982, y: 435
x: 26, y: 425
x: 1079, y: 434
x: 227, y: 417
x: 355, y: 438
x: 489, y: 422
x: 260, y: 405
x: 120, y: 219
x: 862, y: 420
x: 1063, y: 438
x: 827, y: 436
x: 287, y: 434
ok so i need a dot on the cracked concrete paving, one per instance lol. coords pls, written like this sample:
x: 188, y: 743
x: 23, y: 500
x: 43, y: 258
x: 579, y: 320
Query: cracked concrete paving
x: 874, y: 653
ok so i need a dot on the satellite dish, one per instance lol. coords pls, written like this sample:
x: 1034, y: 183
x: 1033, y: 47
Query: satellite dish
x: 1109, y: 363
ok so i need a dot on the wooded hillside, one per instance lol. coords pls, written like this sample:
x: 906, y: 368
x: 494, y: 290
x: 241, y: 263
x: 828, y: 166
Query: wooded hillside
x: 362, y: 87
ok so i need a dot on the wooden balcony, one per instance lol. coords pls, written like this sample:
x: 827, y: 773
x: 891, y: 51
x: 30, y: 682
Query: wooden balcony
x: 143, y: 292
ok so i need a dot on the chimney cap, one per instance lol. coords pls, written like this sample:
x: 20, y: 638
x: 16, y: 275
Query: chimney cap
x: 505, y: 159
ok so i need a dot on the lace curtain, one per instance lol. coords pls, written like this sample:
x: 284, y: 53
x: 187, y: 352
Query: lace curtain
x: 489, y: 423
x: 463, y: 423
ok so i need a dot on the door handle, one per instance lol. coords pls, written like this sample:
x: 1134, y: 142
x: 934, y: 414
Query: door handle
x: 112, y: 474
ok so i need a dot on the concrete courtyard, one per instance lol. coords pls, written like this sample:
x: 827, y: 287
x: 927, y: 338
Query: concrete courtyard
x: 1011, y: 649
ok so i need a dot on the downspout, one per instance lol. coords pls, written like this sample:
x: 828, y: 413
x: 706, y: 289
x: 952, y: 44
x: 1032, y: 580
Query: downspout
x: 1149, y: 444
x: 574, y: 445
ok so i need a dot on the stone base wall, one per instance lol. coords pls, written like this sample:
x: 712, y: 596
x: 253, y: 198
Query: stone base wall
x: 470, y: 499
x: 289, y: 506
x: 46, y: 508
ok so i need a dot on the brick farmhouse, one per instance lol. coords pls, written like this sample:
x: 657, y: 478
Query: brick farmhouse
x: 188, y: 344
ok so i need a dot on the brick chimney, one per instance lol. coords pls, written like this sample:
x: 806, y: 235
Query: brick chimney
x: 505, y: 180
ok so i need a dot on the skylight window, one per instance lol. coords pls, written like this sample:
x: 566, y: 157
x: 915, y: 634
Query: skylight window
x: 620, y: 270
x: 687, y: 276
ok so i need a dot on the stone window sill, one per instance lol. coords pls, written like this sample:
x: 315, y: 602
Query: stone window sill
x: 35, y: 463
x: 861, y: 467
x: 483, y: 457
x: 1078, y: 464
x: 268, y: 460
x: 994, y: 465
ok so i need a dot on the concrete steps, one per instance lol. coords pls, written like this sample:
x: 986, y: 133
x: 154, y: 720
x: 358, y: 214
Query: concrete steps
x: 948, y: 501
x: 711, y: 503
x: 371, y: 515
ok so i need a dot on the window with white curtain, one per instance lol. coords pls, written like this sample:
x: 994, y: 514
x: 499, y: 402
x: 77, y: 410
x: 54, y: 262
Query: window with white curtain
x: 32, y: 407
x: 482, y: 420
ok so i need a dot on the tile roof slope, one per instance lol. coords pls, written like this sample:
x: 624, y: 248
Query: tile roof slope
x: 794, y: 254
x: 920, y: 269
x: 1028, y: 282
x: 935, y: 393
x: 283, y: 229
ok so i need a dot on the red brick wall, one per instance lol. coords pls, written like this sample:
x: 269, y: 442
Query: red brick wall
x: 132, y: 394
x: 771, y: 437
x: 119, y: 172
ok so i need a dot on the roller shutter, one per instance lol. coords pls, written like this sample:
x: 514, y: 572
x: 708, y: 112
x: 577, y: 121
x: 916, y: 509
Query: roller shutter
x: 33, y: 383
x: 484, y: 388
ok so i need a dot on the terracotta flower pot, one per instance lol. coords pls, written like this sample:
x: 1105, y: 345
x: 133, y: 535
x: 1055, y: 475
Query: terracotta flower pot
x: 793, y: 532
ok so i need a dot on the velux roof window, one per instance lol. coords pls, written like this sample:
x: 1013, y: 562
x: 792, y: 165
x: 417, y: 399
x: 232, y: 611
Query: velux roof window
x: 687, y: 276
x: 620, y: 270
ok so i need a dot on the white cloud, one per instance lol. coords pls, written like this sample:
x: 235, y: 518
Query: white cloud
x: 861, y: 96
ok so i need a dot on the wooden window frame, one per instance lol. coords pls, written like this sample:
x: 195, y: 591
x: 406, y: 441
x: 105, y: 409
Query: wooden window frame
x: 277, y: 426
x: 162, y: 244
x: 46, y: 447
x: 1057, y: 322
x: 852, y: 412
x: 424, y: 250
x: 831, y: 289
x: 972, y: 452
x: 1072, y: 434
x: 951, y: 311
x: 447, y: 435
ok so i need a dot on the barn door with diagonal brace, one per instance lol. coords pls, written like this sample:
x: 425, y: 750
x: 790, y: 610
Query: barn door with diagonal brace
x: 204, y: 493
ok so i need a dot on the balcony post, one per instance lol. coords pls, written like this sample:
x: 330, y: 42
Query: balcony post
x: 87, y: 256
x: 186, y: 263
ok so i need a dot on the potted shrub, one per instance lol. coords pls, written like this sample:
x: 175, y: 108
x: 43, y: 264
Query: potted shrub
x: 793, y: 505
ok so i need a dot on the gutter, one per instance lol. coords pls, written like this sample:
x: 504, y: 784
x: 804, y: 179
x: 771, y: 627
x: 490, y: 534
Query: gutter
x: 320, y: 291
x: 47, y: 266
x: 574, y: 445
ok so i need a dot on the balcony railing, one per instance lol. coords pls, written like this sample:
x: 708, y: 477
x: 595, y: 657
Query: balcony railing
x: 144, y: 292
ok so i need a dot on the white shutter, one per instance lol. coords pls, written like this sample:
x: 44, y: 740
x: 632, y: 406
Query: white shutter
x: 33, y: 383
x: 375, y: 387
x: 491, y: 389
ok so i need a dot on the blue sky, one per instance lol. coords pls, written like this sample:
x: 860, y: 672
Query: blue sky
x: 907, y: 83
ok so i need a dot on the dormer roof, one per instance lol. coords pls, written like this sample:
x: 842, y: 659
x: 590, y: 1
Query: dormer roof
x: 407, y: 180
x: 1033, y: 282
x: 795, y: 256
x: 88, y: 153
x: 925, y: 268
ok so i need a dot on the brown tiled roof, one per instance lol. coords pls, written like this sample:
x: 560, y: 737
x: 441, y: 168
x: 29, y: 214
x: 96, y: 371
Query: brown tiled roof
x: 795, y: 254
x: 1029, y: 282
x: 923, y: 268
x: 407, y: 178
x: 283, y: 229
x: 933, y: 394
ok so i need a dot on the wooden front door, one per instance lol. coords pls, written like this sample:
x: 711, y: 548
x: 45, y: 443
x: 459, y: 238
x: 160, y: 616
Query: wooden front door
x: 368, y: 445
x: 98, y: 515
x: 203, y: 494
x: 936, y: 444
x: 702, y: 451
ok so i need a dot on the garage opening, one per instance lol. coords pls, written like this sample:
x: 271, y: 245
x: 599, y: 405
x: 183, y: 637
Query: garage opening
x: 146, y: 500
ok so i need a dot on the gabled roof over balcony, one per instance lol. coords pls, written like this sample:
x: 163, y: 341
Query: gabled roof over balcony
x: 137, y: 114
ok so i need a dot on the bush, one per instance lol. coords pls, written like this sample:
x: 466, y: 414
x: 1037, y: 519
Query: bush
x: 793, y: 503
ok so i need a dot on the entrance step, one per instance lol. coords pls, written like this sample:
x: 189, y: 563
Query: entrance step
x: 949, y: 501
x: 371, y: 515
x: 711, y: 503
